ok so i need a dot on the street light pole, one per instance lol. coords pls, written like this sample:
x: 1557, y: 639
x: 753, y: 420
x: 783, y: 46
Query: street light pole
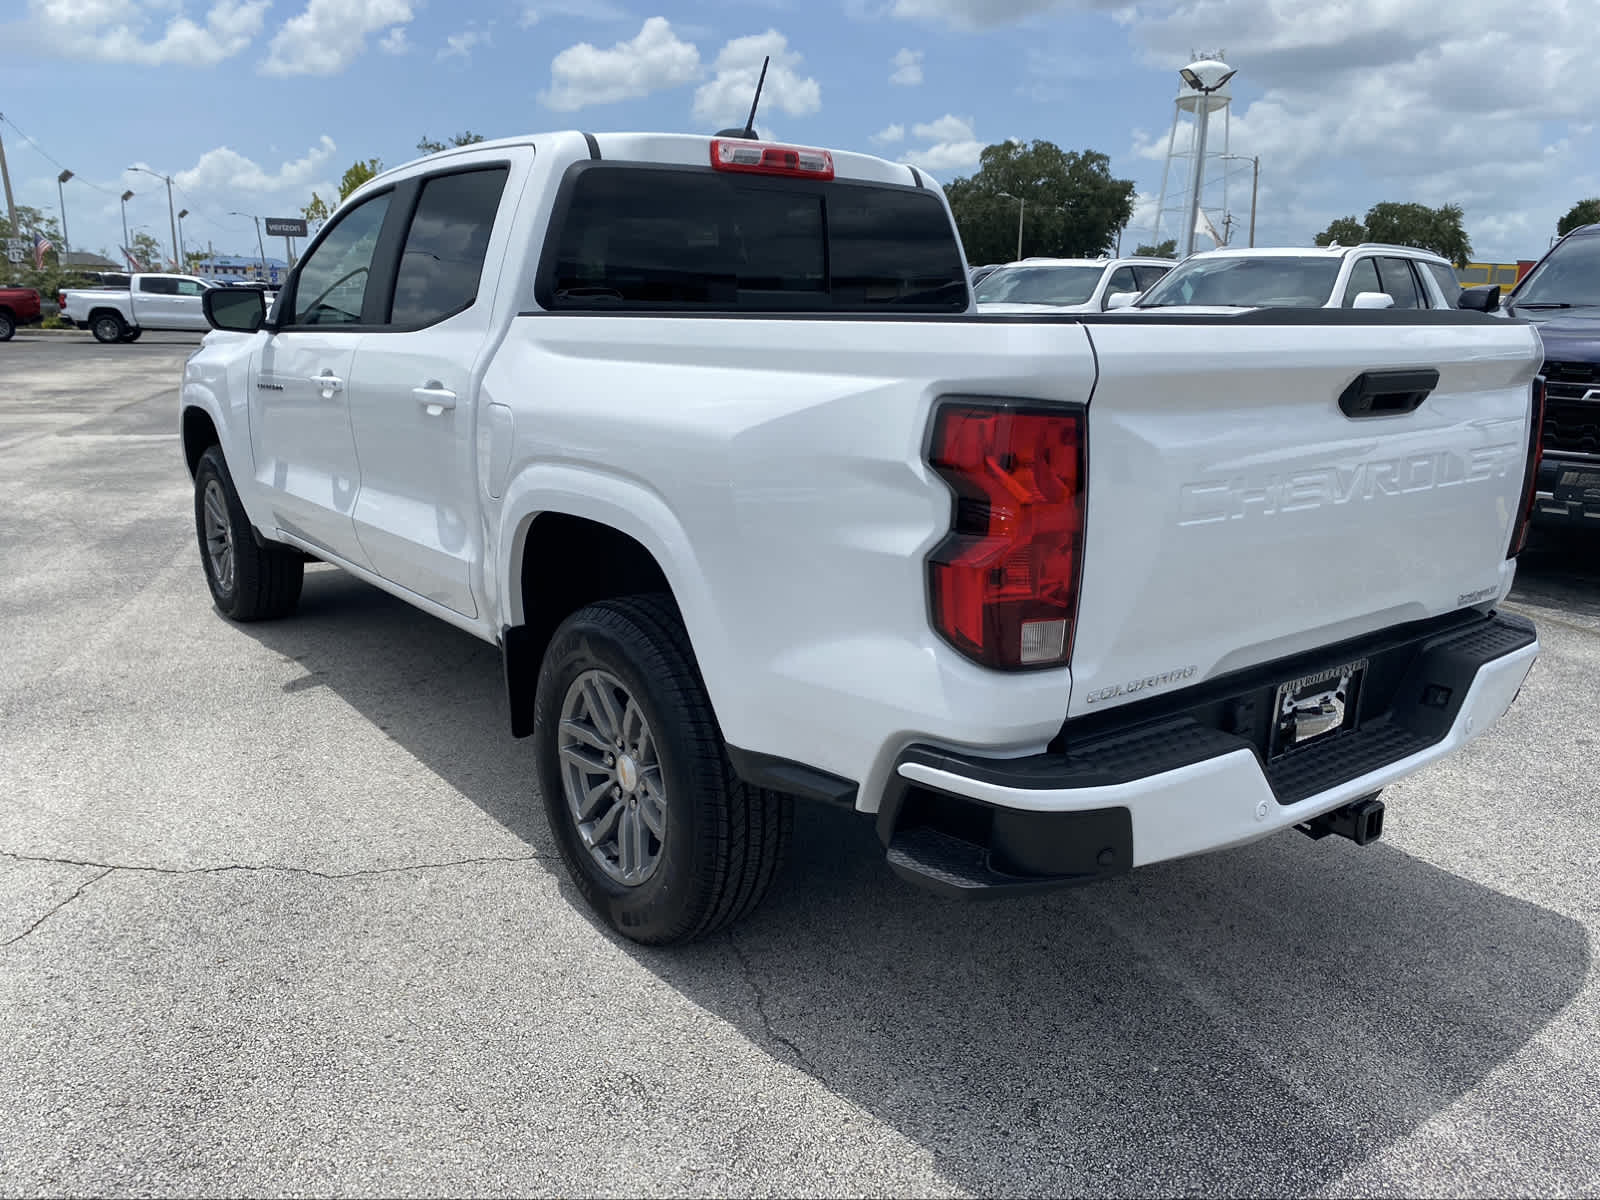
x: 1205, y: 77
x: 126, y: 247
x: 61, y: 195
x: 172, y: 210
x: 260, y: 245
x: 1022, y: 207
x: 183, y: 259
x: 1255, y: 180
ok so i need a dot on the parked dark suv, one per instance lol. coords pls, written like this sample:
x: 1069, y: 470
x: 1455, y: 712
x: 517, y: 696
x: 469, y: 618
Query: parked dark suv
x: 1561, y: 295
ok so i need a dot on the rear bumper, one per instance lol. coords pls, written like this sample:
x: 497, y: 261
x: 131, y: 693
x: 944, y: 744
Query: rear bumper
x: 1186, y: 781
x: 1568, y: 491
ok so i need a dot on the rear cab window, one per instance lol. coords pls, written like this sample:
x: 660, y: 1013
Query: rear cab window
x: 632, y: 237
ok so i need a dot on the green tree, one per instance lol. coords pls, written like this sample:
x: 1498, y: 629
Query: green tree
x: 1584, y: 212
x: 316, y: 212
x: 1166, y: 249
x: 1347, y: 231
x: 1437, y: 229
x: 428, y: 146
x: 148, y: 251
x: 359, y: 172
x: 1073, y: 205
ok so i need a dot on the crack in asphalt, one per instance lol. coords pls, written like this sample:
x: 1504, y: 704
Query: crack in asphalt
x: 78, y: 891
x: 410, y: 868
x: 748, y: 970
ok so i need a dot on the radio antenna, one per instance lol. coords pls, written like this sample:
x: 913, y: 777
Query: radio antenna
x: 750, y: 125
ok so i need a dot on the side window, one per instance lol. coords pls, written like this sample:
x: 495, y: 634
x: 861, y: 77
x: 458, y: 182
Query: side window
x: 158, y: 287
x: 445, y: 248
x: 1446, y: 279
x: 188, y: 287
x: 1122, y: 280
x: 1363, y: 278
x: 1399, y: 282
x: 1148, y: 277
x: 332, y: 288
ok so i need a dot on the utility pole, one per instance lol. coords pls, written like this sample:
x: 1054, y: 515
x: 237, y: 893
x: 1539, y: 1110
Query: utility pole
x: 172, y: 210
x: 260, y: 245
x: 1255, y: 180
x: 5, y: 174
x: 183, y: 259
x: 1227, y: 229
x: 127, y: 247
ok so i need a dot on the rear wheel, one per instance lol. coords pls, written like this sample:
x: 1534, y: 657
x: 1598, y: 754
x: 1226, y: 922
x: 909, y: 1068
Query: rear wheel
x: 249, y: 581
x: 132, y: 335
x: 107, y: 328
x: 661, y: 837
x: 8, y: 326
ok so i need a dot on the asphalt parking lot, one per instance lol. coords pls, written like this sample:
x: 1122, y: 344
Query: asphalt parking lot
x: 277, y: 914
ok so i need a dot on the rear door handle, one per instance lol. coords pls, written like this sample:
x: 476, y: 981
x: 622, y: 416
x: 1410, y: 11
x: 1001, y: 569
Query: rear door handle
x: 434, y: 397
x: 1388, y: 393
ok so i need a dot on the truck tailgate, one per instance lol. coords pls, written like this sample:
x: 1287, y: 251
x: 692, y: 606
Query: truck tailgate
x: 1236, y: 513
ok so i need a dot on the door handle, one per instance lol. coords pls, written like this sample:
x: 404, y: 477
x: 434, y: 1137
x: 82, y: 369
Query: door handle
x: 329, y: 383
x: 1387, y: 393
x: 434, y: 397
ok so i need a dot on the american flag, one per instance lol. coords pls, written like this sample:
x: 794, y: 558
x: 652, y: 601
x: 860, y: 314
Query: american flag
x: 40, y: 245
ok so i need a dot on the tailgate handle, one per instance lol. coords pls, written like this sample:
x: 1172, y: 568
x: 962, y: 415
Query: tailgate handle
x: 1388, y: 393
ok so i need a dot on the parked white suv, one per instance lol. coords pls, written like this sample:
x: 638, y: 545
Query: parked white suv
x: 1045, y: 285
x: 1365, y: 276
x: 704, y: 435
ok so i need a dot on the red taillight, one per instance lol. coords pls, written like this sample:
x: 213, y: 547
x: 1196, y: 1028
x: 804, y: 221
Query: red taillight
x: 61, y: 299
x: 1004, y: 583
x: 1530, y: 476
x: 766, y: 158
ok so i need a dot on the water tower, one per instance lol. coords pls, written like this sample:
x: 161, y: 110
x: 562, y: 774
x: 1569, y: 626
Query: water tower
x: 1202, y: 96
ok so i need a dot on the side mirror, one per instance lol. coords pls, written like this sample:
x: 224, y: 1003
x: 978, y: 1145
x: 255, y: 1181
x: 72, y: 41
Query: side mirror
x: 1373, y: 300
x: 236, y: 310
x: 1485, y: 298
x: 1122, y: 299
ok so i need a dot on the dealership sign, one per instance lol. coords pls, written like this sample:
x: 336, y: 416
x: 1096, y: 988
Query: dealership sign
x: 285, y: 227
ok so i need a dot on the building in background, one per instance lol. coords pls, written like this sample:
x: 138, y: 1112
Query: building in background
x: 1505, y: 274
x: 234, y: 266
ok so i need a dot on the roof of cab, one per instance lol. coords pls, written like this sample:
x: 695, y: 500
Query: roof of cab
x: 685, y: 149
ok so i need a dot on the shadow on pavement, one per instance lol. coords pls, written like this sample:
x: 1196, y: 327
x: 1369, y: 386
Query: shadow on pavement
x: 1252, y: 1022
x: 1560, y: 567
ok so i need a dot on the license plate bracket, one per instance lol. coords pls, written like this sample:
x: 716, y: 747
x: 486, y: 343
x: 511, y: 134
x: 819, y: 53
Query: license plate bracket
x: 1316, y: 707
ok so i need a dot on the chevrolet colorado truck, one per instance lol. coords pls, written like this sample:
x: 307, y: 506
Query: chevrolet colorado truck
x: 18, y: 306
x: 150, y: 301
x: 708, y: 437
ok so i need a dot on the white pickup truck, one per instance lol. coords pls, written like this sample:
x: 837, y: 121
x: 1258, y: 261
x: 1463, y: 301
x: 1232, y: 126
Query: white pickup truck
x: 151, y: 301
x: 706, y: 435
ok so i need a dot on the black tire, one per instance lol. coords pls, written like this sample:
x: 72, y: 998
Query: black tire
x: 266, y: 579
x: 132, y: 335
x: 108, y: 327
x: 8, y: 326
x: 723, y: 841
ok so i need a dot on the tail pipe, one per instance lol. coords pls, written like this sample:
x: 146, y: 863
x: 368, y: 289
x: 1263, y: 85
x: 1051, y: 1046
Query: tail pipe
x: 1361, y: 821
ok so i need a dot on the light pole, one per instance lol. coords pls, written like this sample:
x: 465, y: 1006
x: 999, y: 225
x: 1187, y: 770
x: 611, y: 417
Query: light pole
x: 1205, y: 76
x: 172, y: 212
x: 260, y: 245
x: 61, y: 195
x: 1255, y: 179
x: 183, y: 259
x: 126, y: 248
x: 1022, y: 207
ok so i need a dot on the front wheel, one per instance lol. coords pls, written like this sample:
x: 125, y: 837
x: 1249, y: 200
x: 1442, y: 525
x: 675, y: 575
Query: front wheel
x: 661, y: 837
x: 249, y: 581
x: 107, y: 328
x: 132, y: 335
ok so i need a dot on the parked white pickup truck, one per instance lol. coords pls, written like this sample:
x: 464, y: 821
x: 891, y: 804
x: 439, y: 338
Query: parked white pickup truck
x: 151, y: 301
x: 706, y: 436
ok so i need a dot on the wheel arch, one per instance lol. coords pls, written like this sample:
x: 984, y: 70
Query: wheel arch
x: 199, y: 433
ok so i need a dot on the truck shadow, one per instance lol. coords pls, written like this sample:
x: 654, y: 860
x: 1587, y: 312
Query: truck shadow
x: 1259, y: 1021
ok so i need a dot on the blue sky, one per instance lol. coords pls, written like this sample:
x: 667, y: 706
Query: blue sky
x: 253, y: 104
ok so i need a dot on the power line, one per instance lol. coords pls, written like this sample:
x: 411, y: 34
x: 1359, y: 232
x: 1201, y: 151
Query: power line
x: 59, y: 164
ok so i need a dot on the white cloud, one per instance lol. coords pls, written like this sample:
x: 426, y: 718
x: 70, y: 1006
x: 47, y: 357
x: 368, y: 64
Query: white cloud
x: 955, y: 145
x: 330, y: 35
x: 226, y: 170
x: 114, y: 31
x: 394, y: 42
x: 725, y: 99
x: 461, y: 45
x: 534, y: 11
x: 654, y: 60
x: 890, y: 134
x: 1403, y: 100
x: 907, y: 68
x: 974, y: 14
